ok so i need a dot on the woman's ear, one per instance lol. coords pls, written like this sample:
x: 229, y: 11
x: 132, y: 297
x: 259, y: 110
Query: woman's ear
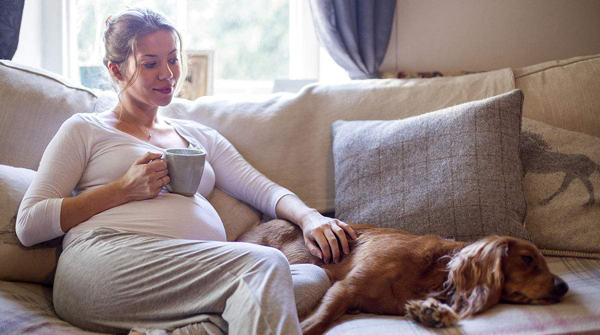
x: 115, y: 71
x: 475, y: 276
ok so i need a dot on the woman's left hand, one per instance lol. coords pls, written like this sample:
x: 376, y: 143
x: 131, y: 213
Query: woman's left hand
x: 322, y: 234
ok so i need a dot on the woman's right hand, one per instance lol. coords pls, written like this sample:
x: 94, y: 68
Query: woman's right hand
x: 145, y: 178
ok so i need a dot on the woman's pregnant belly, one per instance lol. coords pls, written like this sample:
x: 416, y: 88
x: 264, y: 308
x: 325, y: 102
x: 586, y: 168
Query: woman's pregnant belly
x: 168, y: 215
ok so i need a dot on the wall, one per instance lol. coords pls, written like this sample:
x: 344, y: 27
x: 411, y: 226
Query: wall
x: 448, y: 35
x: 479, y: 35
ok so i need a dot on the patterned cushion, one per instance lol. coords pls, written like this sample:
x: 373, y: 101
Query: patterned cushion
x: 455, y: 172
x: 562, y: 188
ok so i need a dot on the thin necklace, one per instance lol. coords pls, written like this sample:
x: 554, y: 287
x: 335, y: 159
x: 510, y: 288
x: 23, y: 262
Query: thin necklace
x: 138, y: 127
x: 150, y: 134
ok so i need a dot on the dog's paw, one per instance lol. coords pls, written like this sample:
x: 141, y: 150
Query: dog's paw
x: 431, y: 313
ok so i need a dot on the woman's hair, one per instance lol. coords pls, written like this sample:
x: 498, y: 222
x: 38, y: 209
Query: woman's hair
x: 124, y: 29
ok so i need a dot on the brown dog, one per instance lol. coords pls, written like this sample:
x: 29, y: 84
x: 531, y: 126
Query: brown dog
x: 432, y: 280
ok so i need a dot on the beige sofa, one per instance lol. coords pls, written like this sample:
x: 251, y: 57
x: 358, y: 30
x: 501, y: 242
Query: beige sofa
x: 288, y: 137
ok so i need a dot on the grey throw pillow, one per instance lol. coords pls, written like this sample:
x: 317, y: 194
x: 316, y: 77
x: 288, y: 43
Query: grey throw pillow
x: 455, y: 172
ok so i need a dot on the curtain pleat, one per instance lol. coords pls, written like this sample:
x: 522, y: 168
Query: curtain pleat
x: 355, y: 33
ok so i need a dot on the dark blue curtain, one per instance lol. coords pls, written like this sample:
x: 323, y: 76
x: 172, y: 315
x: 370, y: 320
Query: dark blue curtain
x: 11, y: 12
x: 355, y: 32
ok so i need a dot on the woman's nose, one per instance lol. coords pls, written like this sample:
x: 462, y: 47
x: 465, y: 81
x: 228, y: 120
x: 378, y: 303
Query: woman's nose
x: 165, y: 72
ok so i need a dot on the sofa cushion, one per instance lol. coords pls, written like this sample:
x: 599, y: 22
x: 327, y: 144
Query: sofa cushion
x: 34, y: 264
x: 27, y: 309
x: 563, y: 93
x: 37, y: 264
x: 34, y: 105
x: 454, y: 172
x: 288, y: 137
x: 562, y: 188
x: 237, y: 216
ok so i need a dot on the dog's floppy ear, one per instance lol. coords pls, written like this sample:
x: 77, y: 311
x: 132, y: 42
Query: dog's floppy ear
x: 475, y: 277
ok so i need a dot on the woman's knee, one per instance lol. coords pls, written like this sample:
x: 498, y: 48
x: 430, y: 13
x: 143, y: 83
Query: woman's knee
x: 265, y: 255
x: 310, y: 284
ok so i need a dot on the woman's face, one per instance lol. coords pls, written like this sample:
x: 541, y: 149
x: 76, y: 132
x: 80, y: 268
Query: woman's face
x: 159, y: 70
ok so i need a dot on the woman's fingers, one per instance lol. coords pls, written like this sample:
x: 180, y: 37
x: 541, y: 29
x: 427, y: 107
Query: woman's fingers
x: 161, y: 173
x: 160, y: 182
x: 147, y: 158
x: 158, y: 165
x: 341, y: 236
x: 325, y: 236
x: 347, y: 229
x: 313, y: 248
x: 327, y: 244
x: 333, y: 244
x: 156, y: 187
x: 323, y: 244
x: 146, y: 177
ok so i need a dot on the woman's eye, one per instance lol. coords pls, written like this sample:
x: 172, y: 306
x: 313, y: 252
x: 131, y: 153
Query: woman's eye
x: 150, y: 65
x: 173, y: 61
x: 527, y: 259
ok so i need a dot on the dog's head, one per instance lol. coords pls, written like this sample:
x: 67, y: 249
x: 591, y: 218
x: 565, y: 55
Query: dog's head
x: 500, y: 268
x: 527, y: 279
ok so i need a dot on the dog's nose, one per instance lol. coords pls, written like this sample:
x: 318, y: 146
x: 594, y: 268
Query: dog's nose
x: 560, y: 287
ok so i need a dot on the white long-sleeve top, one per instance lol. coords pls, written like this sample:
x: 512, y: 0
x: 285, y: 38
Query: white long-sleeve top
x: 88, y: 153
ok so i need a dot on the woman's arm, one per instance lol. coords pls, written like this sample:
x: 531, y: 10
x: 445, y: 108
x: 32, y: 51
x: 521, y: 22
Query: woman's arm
x: 60, y: 169
x: 321, y: 234
x: 238, y: 178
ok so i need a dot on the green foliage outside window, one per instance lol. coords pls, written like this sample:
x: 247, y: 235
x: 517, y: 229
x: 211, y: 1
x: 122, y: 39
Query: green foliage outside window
x: 250, y: 38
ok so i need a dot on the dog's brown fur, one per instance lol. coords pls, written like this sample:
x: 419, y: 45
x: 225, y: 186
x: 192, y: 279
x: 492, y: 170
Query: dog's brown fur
x: 433, y: 280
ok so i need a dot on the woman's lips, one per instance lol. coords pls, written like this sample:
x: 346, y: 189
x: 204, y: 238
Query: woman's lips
x: 165, y: 90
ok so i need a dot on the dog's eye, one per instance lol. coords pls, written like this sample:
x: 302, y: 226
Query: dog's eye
x: 527, y: 259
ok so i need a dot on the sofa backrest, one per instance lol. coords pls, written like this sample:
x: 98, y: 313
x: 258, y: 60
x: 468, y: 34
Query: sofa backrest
x: 285, y: 136
x: 33, y: 105
x: 288, y: 136
x: 564, y: 94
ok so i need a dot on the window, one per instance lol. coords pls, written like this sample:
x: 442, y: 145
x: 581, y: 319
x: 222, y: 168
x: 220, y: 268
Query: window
x: 255, y: 42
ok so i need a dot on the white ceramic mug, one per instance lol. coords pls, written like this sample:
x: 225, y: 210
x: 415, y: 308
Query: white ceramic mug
x: 186, y: 167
